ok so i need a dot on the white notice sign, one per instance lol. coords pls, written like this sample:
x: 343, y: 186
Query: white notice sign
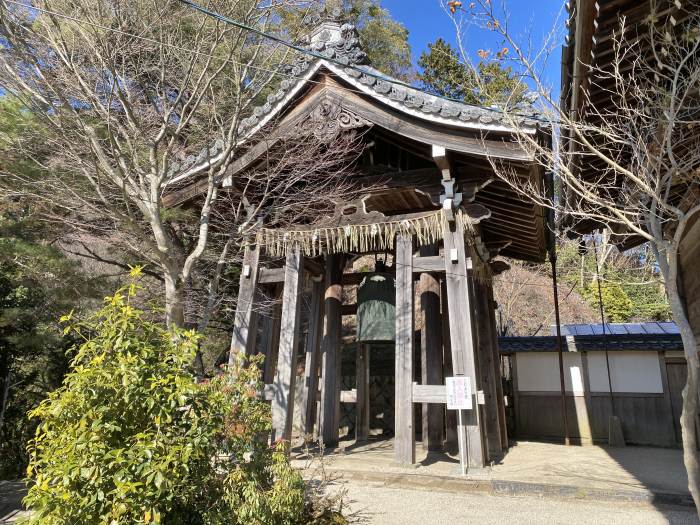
x: 459, y: 393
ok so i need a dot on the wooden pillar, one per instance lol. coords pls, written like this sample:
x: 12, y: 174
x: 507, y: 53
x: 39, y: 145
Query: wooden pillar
x: 283, y: 398
x: 491, y: 312
x: 313, y: 351
x: 271, y: 335
x: 243, y: 339
x: 450, y: 415
x: 487, y: 369
x: 462, y: 337
x: 431, y: 353
x: 329, y: 419
x: 362, y: 389
x: 404, y: 438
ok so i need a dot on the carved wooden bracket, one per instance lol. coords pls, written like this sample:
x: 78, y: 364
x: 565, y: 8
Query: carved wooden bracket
x: 328, y: 119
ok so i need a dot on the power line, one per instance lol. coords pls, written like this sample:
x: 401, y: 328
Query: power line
x: 166, y: 44
x: 320, y: 56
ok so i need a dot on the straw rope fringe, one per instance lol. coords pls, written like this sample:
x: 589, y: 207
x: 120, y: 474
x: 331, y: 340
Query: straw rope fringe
x: 427, y: 229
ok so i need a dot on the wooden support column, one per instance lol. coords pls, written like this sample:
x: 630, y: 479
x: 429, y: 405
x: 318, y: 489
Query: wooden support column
x: 243, y: 339
x: 491, y: 312
x: 487, y: 369
x: 312, y: 361
x: 329, y: 419
x: 362, y: 389
x: 271, y: 335
x: 283, y: 398
x: 462, y: 338
x: 450, y: 415
x: 431, y: 353
x: 404, y: 437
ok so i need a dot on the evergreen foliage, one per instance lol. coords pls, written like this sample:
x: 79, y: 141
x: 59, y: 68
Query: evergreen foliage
x: 131, y: 437
x: 443, y: 73
x: 37, y: 284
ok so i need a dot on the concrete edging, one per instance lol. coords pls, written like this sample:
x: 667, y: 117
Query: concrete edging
x: 518, y: 488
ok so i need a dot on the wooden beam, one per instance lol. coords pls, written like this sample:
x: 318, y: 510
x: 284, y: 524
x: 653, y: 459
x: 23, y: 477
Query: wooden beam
x: 431, y: 349
x: 487, y: 369
x: 285, y: 376
x: 243, y: 339
x: 404, y: 437
x: 332, y: 324
x: 270, y: 335
x: 312, y: 361
x: 450, y: 415
x: 362, y: 387
x: 429, y: 394
x: 428, y: 263
x: 462, y: 338
x: 491, y: 312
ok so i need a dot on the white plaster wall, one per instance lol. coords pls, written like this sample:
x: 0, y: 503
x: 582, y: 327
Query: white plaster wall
x: 629, y: 372
x: 539, y: 372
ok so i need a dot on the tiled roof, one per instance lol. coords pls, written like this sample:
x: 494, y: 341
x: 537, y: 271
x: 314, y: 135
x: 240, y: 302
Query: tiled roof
x: 589, y: 343
x: 339, y: 50
x: 618, y: 328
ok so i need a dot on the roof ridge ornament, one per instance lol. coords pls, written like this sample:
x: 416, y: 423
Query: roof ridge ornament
x: 332, y: 36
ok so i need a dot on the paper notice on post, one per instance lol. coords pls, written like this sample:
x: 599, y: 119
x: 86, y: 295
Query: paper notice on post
x: 459, y: 393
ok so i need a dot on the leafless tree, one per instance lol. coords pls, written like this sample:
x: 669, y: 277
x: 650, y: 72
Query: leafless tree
x: 643, y: 143
x: 138, y: 98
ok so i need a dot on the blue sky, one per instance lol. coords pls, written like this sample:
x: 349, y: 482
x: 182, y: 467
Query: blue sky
x: 426, y: 21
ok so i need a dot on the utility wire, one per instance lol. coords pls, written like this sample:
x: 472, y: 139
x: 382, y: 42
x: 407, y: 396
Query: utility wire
x: 172, y: 46
x: 320, y: 56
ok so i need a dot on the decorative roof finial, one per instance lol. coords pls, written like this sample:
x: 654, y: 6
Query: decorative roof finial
x: 332, y: 37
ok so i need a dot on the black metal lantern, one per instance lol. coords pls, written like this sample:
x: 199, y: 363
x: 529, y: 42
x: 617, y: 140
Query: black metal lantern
x: 376, y: 308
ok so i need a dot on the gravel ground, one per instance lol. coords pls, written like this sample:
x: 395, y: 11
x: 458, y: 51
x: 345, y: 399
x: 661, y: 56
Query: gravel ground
x: 381, y: 505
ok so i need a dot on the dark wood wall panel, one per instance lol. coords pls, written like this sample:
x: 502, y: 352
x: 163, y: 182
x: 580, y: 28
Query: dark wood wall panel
x: 644, y: 417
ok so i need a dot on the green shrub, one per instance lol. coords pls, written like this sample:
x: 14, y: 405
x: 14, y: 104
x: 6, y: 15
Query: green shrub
x: 616, y: 304
x: 131, y: 437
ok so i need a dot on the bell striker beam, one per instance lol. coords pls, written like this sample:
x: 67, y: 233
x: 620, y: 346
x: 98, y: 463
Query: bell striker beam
x: 462, y: 338
x: 329, y: 419
x: 243, y: 339
x: 404, y: 437
x: 431, y: 353
x: 313, y: 351
x: 283, y: 398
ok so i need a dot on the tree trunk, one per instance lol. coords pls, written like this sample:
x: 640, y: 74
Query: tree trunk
x: 174, y: 300
x: 5, y: 397
x: 667, y: 257
x: 690, y: 393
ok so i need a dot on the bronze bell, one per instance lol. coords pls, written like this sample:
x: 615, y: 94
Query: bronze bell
x: 376, y: 307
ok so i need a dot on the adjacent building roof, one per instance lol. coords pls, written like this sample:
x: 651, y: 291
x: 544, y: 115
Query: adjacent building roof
x: 651, y: 336
x: 618, y: 329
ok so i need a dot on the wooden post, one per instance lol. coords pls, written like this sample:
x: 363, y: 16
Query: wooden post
x: 487, y: 369
x: 329, y: 419
x: 404, y: 438
x: 461, y: 336
x: 243, y: 339
x: 283, y: 398
x: 271, y: 338
x: 362, y: 389
x: 311, y: 364
x: 431, y: 353
x: 450, y: 415
x: 671, y: 440
x: 491, y: 312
